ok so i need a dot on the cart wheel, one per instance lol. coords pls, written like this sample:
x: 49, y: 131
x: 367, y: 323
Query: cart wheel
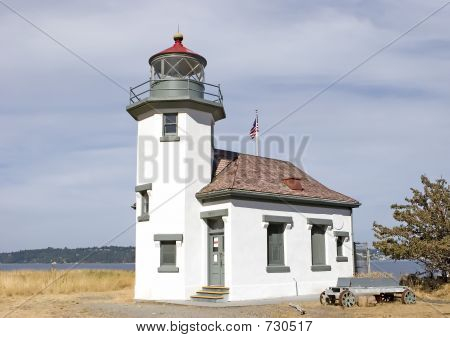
x: 408, y: 297
x: 324, y: 299
x: 347, y: 299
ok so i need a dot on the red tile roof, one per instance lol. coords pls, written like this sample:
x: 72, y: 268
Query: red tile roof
x: 235, y: 172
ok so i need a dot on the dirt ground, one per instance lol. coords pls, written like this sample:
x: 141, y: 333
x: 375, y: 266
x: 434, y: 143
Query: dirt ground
x: 120, y: 304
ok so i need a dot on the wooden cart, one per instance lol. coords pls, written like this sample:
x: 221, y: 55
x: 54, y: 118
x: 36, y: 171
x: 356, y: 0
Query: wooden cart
x: 347, y: 290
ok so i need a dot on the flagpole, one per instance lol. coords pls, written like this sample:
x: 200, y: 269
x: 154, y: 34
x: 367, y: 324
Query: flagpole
x: 257, y: 133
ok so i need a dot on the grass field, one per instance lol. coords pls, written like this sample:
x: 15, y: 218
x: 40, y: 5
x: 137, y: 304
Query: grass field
x: 27, y: 283
x: 109, y: 293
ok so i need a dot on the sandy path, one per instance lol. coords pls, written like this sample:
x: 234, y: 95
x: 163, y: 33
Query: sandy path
x: 121, y: 304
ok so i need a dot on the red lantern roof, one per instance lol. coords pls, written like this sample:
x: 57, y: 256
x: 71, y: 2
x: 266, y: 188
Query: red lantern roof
x: 179, y: 48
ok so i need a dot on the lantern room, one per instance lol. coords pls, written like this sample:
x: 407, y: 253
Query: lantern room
x: 178, y: 62
x: 177, y: 74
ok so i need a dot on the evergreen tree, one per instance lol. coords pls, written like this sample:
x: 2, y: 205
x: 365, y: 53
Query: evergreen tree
x: 424, y: 231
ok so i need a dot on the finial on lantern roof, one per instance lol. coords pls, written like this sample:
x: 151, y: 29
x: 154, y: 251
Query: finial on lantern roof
x: 178, y: 37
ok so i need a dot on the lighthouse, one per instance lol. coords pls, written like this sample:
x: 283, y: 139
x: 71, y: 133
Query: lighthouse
x: 176, y: 111
x: 217, y: 225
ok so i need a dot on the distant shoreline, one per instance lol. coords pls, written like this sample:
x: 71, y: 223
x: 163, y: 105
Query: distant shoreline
x: 94, y: 255
x: 66, y: 266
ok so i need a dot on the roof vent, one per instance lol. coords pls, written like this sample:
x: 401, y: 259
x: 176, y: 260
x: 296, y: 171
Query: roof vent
x: 293, y: 183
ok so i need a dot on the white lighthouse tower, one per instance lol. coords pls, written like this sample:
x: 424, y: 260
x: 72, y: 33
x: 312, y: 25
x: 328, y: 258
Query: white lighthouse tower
x: 176, y: 112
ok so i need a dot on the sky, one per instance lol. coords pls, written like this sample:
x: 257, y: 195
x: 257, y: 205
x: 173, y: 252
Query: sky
x: 68, y: 147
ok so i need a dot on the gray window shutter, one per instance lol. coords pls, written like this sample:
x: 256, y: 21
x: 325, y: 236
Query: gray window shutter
x: 318, y: 245
x: 168, y: 253
x: 275, y: 244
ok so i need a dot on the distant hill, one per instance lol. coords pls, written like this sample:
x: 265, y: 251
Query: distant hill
x: 104, y: 254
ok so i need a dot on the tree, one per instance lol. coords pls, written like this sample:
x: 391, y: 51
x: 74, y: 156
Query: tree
x: 424, y: 232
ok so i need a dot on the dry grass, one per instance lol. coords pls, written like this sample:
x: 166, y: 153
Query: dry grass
x: 375, y: 274
x: 442, y: 292
x: 25, y: 283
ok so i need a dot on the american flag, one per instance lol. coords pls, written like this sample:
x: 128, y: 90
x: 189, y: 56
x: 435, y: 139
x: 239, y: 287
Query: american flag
x: 255, y: 128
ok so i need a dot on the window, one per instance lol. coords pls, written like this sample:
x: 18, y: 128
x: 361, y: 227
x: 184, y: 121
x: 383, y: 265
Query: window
x: 144, y: 203
x: 318, y: 250
x: 275, y: 244
x: 170, y: 124
x: 275, y: 248
x: 318, y: 245
x: 340, y: 243
x: 341, y: 237
x: 168, y: 251
x: 144, y: 197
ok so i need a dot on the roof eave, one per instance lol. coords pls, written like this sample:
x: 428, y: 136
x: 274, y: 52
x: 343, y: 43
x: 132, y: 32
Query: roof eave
x: 280, y: 198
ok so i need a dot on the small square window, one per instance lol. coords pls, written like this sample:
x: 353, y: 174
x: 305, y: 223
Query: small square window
x: 168, y: 253
x: 170, y: 124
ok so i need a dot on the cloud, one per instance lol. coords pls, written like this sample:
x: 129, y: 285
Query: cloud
x: 67, y: 146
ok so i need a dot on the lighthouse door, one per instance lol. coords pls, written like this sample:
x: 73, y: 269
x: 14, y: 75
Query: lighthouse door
x: 216, y: 257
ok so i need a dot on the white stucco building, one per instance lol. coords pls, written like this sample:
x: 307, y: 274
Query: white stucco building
x: 218, y: 225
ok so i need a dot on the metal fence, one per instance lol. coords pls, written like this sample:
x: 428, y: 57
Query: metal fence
x: 362, y: 257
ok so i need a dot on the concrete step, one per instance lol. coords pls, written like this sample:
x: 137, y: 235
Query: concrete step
x: 215, y: 288
x: 212, y: 293
x: 207, y: 298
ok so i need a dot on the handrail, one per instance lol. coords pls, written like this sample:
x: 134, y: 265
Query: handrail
x: 211, y: 90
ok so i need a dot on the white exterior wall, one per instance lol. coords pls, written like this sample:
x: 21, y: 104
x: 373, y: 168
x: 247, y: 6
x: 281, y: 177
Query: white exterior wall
x: 176, y: 171
x: 248, y: 242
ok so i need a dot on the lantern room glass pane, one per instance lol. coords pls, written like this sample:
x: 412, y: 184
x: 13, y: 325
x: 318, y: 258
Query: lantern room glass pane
x: 178, y: 67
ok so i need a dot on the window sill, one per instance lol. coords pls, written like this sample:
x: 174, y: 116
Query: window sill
x: 341, y: 259
x: 168, y: 268
x: 169, y: 138
x: 277, y: 268
x: 320, y: 268
x: 143, y: 218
